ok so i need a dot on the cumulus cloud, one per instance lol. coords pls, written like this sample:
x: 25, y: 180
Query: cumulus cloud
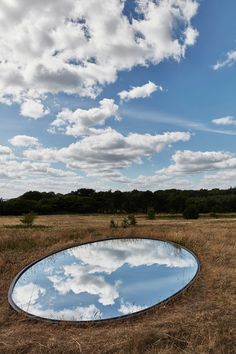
x: 96, y: 260
x: 80, y: 121
x: 91, y: 271
x: 78, y: 46
x: 107, y: 258
x: 23, y: 141
x: 30, y: 175
x: 159, y: 180
x: 108, y: 151
x: 216, y: 168
x: 228, y: 120
x: 191, y: 35
x: 77, y: 279
x: 33, y: 109
x: 22, y: 169
x: 229, y: 61
x: 5, y: 151
x: 127, y: 308
x: 139, y: 91
x: 219, y: 179
x: 188, y: 161
x: 79, y: 313
x: 29, y: 298
x: 25, y: 296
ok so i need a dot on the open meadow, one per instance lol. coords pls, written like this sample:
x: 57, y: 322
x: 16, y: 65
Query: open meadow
x: 200, y: 320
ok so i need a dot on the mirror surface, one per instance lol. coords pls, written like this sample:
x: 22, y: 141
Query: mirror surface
x: 103, y: 280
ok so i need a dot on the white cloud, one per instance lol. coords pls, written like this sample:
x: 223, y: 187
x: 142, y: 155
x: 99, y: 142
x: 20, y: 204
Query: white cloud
x: 159, y: 181
x: 78, y: 46
x: 220, y: 179
x: 104, y: 258
x: 228, y: 120
x: 34, y: 175
x: 229, y: 61
x: 28, y: 298
x: 22, y: 169
x: 191, y: 35
x: 88, y: 313
x: 127, y: 308
x: 188, y: 161
x: 77, y: 279
x: 5, y: 151
x: 23, y: 141
x: 33, y: 109
x: 214, y: 169
x: 25, y: 296
x: 107, y: 258
x: 80, y: 121
x: 139, y: 91
x: 108, y: 151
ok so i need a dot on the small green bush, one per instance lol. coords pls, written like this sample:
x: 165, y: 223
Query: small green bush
x: 28, y: 219
x: 132, y: 219
x: 113, y: 224
x: 191, y: 212
x: 125, y: 223
x: 151, y: 214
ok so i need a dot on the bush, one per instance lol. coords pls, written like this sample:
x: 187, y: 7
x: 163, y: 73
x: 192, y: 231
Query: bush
x: 191, y: 212
x: 28, y: 219
x: 151, y: 214
x: 132, y: 219
x: 125, y: 223
x: 113, y: 224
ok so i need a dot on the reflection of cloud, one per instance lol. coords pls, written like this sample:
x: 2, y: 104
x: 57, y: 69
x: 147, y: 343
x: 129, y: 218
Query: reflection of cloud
x: 77, y: 314
x: 93, y: 275
x: 126, y: 308
x: 28, y: 298
x: 77, y: 279
x: 110, y: 255
x: 27, y: 295
x: 107, y: 257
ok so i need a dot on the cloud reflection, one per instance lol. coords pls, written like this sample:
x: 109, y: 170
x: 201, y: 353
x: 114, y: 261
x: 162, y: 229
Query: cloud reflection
x: 110, y: 255
x: 104, y: 279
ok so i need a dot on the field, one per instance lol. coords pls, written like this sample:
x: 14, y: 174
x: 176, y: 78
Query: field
x: 200, y: 320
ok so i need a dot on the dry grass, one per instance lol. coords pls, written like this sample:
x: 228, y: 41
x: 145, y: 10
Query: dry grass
x: 201, y: 320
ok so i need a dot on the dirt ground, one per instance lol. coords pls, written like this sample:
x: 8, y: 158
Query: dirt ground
x: 200, y: 320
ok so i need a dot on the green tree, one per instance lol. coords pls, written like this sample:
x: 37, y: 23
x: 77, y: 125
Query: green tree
x: 191, y: 212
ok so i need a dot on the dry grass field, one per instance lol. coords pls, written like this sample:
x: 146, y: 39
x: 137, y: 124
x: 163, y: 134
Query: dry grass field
x: 200, y: 320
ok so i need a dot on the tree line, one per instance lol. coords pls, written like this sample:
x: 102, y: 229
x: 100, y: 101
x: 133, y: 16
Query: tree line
x: 89, y: 201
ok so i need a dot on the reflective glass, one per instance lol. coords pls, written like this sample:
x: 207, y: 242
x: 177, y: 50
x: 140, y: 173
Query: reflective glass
x: 103, y: 280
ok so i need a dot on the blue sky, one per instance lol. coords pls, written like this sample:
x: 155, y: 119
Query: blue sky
x: 117, y: 95
x: 104, y: 280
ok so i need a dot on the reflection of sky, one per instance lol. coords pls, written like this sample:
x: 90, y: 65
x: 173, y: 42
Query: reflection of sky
x: 104, y: 279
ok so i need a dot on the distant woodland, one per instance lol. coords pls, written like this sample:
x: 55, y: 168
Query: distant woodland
x: 86, y: 201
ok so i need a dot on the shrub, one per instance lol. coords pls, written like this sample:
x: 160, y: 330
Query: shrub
x: 132, y: 219
x: 113, y: 224
x: 191, y: 212
x: 125, y: 222
x: 151, y: 214
x: 28, y: 219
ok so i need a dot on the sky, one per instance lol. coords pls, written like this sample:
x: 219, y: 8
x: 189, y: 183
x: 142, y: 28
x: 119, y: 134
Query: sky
x: 117, y: 94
